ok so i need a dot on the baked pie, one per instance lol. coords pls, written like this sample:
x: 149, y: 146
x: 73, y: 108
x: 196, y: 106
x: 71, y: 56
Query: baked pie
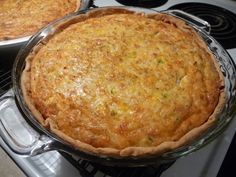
x: 118, y: 83
x: 19, y: 18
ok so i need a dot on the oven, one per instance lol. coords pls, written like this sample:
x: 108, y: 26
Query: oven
x: 214, y: 160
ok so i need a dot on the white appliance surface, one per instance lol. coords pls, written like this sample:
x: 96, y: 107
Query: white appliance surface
x: 202, y: 163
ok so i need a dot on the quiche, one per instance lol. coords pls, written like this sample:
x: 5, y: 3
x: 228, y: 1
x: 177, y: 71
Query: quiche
x: 19, y: 18
x: 117, y: 83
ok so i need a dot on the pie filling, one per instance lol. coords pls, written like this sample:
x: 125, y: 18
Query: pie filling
x: 121, y: 80
x: 20, y: 18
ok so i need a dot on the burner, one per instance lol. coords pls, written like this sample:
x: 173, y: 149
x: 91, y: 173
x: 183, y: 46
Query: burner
x: 143, y: 3
x: 222, y: 21
x: 89, y: 169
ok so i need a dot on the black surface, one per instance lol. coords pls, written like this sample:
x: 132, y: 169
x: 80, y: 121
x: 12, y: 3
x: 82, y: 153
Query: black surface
x: 222, y: 21
x: 228, y: 167
x: 6, y: 62
x: 143, y: 3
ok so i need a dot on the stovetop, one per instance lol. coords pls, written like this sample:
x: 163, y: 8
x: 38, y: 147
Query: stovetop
x: 222, y: 20
x: 205, y: 162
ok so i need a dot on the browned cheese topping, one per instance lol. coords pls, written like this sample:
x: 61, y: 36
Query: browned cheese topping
x: 20, y: 18
x: 124, y: 80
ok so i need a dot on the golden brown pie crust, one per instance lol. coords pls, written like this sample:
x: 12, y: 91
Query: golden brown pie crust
x: 19, y: 18
x: 140, y: 112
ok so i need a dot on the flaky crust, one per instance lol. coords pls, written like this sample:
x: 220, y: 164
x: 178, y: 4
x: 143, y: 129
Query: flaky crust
x: 23, y: 18
x: 130, y: 150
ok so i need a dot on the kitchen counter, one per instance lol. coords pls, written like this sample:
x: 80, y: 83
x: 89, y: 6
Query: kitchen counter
x: 8, y: 168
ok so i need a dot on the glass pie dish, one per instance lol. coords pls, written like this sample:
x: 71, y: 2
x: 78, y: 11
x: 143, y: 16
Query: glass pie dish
x: 42, y: 140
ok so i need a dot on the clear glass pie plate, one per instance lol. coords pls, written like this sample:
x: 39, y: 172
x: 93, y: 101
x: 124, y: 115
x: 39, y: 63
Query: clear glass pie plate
x: 42, y: 140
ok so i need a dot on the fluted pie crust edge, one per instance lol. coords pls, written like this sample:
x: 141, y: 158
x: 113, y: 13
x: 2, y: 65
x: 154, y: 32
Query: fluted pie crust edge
x: 128, y: 151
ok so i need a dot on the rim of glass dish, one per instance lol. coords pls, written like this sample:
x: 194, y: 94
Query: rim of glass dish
x: 201, y: 141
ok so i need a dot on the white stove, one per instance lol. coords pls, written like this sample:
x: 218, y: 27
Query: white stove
x: 205, y: 162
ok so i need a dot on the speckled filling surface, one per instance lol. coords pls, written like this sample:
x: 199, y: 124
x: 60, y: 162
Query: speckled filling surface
x: 124, y: 83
